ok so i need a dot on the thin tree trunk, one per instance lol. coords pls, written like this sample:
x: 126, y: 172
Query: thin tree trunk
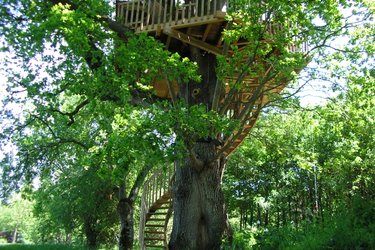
x: 125, y: 211
x: 90, y: 233
x: 15, y: 233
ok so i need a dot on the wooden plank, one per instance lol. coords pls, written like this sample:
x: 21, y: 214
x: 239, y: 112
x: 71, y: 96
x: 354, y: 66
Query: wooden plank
x: 202, y: 7
x: 152, y: 225
x: 160, y: 6
x: 126, y: 15
x: 165, y: 11
x: 206, y: 32
x: 192, y: 41
x: 132, y: 13
x: 148, y: 19
x: 152, y: 239
x: 154, y: 232
x: 137, y: 13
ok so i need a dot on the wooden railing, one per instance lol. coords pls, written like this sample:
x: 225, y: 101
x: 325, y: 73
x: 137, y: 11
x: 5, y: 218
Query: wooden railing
x: 156, y: 188
x: 149, y: 15
x: 163, y: 15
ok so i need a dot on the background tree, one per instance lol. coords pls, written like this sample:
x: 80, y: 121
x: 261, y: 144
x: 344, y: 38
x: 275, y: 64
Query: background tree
x: 16, y: 219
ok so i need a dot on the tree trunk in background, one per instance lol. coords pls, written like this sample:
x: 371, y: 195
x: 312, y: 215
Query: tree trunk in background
x: 91, y: 233
x: 252, y: 214
x: 125, y: 211
x: 199, y: 219
x: 15, y: 234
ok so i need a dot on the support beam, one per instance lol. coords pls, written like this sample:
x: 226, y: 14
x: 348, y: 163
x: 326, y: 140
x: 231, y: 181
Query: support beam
x: 206, y: 32
x: 192, y: 41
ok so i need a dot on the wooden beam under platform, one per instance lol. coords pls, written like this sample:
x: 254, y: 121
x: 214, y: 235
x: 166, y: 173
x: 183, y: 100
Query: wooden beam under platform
x: 192, y: 41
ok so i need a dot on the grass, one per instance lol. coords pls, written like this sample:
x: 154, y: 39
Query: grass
x: 39, y: 247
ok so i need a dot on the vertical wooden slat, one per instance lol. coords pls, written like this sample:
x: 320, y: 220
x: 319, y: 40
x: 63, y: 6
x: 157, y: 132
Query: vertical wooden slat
x: 162, y: 179
x: 118, y: 13
x: 154, y: 191
x: 196, y: 9
x: 126, y: 9
x: 202, y: 8
x: 215, y: 7
x: 142, y: 16
x: 176, y: 15
x: 132, y: 14
x: 148, y: 13
x: 170, y: 11
x: 189, y: 13
x: 123, y: 10
x: 165, y: 11
x: 159, y: 10
x: 138, y: 7
x: 153, y: 14
x: 183, y: 13
x: 208, y: 7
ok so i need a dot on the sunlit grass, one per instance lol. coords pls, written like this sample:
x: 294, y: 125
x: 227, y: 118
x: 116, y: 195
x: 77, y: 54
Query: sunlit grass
x: 39, y: 247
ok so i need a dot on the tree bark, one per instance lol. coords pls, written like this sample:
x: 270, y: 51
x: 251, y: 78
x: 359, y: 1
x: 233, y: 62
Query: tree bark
x: 15, y: 235
x: 90, y: 233
x: 199, y: 219
x: 125, y: 211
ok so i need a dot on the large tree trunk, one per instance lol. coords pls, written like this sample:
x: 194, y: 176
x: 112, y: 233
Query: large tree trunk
x: 199, y: 219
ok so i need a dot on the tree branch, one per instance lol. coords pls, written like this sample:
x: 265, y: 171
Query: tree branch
x: 138, y: 182
x: 74, y: 112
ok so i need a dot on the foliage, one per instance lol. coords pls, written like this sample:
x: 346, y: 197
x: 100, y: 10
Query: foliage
x: 308, y: 183
x: 76, y: 200
x: 17, y: 216
x: 341, y: 231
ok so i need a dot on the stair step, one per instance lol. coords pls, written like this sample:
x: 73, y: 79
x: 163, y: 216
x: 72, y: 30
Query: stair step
x: 151, y: 239
x: 153, y: 219
x: 153, y: 232
x: 157, y: 213
x: 162, y: 202
x: 152, y: 225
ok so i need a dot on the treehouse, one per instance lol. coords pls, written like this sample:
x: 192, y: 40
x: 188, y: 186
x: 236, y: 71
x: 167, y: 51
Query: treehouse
x: 199, y: 23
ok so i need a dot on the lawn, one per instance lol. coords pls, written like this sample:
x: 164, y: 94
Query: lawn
x: 39, y: 247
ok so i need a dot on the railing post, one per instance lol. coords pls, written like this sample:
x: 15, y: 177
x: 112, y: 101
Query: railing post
x: 132, y: 14
x: 136, y: 21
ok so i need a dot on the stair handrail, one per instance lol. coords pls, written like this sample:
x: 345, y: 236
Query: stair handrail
x: 154, y: 188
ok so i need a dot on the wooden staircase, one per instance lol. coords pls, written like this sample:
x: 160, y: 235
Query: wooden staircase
x: 156, y: 210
